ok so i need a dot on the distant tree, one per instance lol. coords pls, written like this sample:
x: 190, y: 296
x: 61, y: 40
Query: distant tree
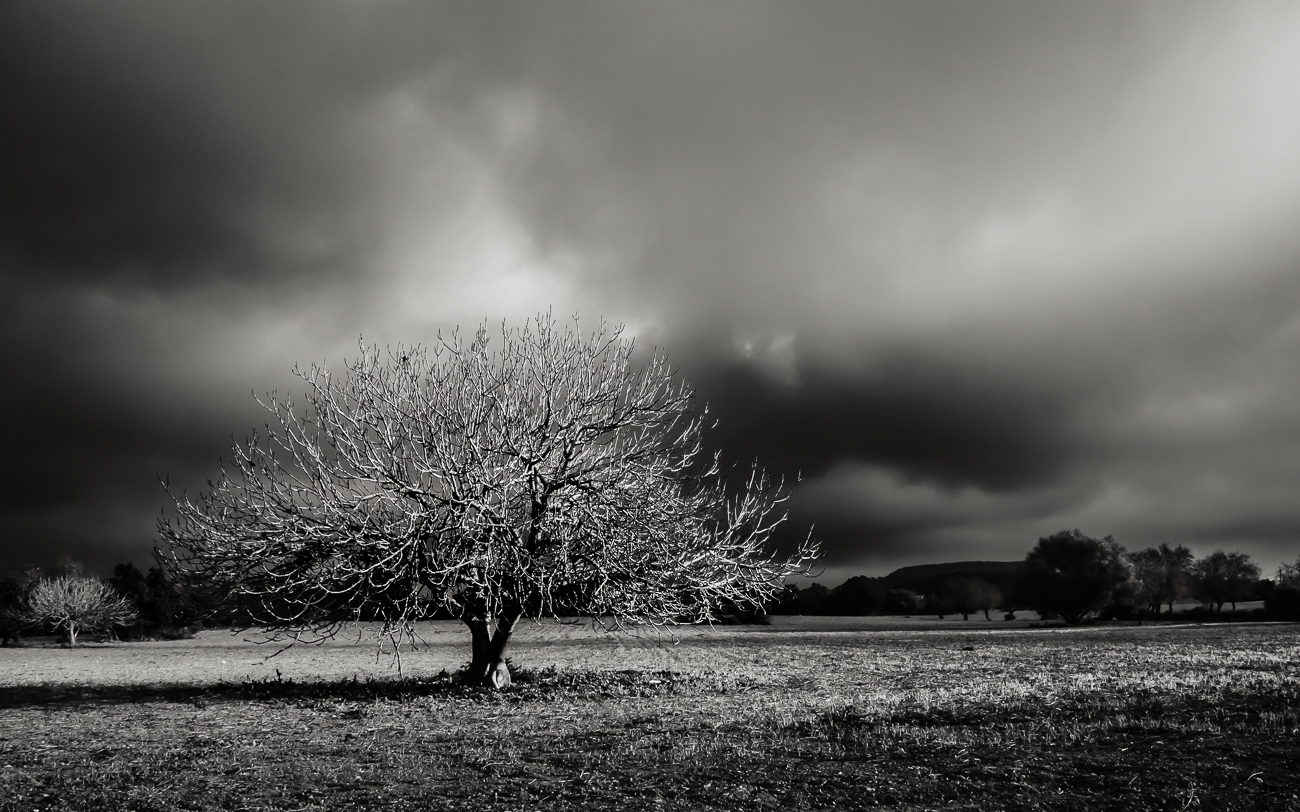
x: 903, y: 602
x: 161, y: 605
x: 1283, y: 602
x: 13, y: 607
x: 1147, y: 580
x: 859, y: 595
x: 1221, y: 578
x: 783, y: 603
x: 968, y: 594
x: 554, y: 476
x: 1289, y: 574
x: 15, y: 588
x: 128, y: 581
x: 1071, y: 575
x: 12, y: 603
x: 1262, y: 588
x: 1160, y: 575
x: 77, y: 604
x: 936, y: 603
x: 168, y: 604
x: 809, y: 600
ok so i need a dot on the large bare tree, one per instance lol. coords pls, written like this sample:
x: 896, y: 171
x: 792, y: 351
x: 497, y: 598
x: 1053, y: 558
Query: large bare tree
x: 550, y: 475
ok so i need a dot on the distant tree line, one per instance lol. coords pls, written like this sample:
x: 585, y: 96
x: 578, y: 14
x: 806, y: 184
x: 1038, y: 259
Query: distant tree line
x: 958, y: 594
x: 1068, y: 575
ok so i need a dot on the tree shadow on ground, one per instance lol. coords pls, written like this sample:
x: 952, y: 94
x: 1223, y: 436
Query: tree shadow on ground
x: 528, y: 685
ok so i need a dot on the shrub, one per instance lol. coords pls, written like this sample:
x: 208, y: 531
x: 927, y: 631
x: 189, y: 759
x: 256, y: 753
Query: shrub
x: 1283, y: 603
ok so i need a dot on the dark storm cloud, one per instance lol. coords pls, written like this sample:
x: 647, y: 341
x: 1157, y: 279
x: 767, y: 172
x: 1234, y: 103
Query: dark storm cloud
x: 1177, y: 429
x: 952, y: 424
x: 965, y: 254
x: 978, y: 271
x: 175, y: 182
x: 140, y: 143
x: 713, y: 152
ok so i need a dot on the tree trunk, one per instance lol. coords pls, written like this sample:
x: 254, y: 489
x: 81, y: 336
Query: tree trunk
x: 72, y: 635
x: 487, y: 665
x: 480, y: 639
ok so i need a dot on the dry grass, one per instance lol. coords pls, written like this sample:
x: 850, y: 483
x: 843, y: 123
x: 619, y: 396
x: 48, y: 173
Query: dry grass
x: 790, y: 716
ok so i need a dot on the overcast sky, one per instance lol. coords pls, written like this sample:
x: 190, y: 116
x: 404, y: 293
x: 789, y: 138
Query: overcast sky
x: 980, y: 271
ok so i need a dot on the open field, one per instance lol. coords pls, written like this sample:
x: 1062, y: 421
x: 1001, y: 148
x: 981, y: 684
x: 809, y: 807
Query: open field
x: 806, y: 714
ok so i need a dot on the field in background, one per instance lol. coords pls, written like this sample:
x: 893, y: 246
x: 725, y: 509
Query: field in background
x: 222, y: 655
x: 808, y: 713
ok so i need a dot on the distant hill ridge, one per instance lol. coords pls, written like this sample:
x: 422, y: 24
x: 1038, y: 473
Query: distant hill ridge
x: 922, y: 576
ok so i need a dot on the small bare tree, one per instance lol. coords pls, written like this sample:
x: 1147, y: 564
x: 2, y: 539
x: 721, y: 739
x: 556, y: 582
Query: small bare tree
x: 552, y: 476
x: 76, y: 604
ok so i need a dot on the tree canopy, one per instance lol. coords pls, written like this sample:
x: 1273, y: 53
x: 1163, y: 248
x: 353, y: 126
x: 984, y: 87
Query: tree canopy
x: 1288, y: 574
x: 967, y: 594
x: 549, y: 475
x: 1072, y: 575
x: 74, y: 604
x: 1161, y: 575
x: 1221, y: 577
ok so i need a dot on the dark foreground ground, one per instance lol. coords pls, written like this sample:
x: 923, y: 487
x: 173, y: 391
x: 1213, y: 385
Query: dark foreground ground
x: 1170, y: 718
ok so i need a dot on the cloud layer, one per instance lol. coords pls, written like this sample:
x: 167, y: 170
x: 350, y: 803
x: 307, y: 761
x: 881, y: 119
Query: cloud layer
x: 977, y: 272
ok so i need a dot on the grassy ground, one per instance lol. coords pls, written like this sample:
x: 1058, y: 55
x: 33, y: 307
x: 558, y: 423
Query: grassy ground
x: 802, y: 715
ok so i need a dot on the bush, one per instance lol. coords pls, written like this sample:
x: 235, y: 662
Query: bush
x: 811, y: 600
x: 860, y: 595
x: 903, y: 602
x: 743, y: 617
x: 1283, y: 603
x: 163, y: 610
x: 1121, y: 610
